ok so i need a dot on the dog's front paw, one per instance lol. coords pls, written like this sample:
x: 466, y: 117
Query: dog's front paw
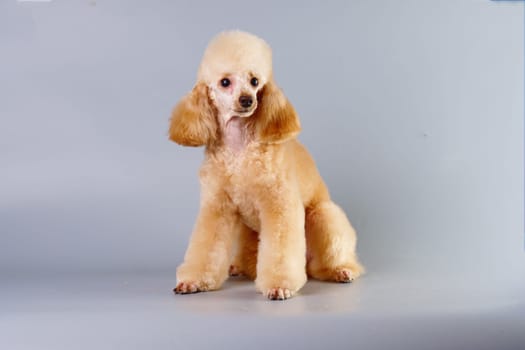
x: 188, y: 287
x: 279, y: 293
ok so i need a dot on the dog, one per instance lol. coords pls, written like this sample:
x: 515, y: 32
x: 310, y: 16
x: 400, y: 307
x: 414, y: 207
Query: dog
x: 265, y: 211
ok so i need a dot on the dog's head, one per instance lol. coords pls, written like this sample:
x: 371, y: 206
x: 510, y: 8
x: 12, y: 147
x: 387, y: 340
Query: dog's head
x: 234, y: 80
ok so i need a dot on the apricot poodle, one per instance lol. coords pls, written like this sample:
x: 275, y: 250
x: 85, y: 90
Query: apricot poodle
x: 265, y: 211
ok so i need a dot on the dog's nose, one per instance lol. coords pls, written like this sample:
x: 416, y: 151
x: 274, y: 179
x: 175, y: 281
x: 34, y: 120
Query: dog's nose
x: 245, y: 101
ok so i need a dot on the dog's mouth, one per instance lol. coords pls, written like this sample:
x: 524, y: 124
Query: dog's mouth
x: 244, y: 112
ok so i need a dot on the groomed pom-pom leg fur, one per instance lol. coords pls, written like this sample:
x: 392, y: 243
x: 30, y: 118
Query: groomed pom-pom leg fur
x: 330, y: 246
x: 207, y: 258
x: 277, y: 262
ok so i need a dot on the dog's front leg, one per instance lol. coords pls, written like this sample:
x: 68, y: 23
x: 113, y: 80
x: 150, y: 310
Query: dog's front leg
x: 281, y: 262
x: 208, y: 256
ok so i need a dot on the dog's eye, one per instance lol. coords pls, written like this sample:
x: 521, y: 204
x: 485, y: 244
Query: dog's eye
x: 254, y: 82
x: 225, y: 82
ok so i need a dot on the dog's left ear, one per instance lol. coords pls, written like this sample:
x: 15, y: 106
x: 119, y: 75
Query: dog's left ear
x: 275, y: 118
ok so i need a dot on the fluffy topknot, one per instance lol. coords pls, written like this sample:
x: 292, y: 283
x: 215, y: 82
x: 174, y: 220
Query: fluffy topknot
x: 233, y: 52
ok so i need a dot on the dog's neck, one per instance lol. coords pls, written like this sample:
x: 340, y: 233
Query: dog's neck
x: 235, y: 134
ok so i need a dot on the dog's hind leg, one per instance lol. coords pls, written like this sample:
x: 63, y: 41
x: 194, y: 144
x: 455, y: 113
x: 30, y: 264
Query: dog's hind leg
x: 245, y: 260
x: 331, y: 244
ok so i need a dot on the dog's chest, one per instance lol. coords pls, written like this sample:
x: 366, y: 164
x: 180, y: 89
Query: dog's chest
x: 246, y: 205
x: 245, y: 172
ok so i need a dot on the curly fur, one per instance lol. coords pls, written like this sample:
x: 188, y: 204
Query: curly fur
x: 265, y: 211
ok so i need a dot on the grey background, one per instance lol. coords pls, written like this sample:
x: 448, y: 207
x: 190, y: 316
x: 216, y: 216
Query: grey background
x: 413, y: 111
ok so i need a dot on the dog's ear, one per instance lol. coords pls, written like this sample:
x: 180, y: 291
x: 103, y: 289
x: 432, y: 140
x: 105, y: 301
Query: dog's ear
x: 193, y: 121
x: 275, y: 118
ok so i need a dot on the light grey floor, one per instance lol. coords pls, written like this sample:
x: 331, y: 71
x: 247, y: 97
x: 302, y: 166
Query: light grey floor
x: 412, y: 109
x: 388, y: 309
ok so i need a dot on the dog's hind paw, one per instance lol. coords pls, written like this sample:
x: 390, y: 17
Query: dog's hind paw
x: 343, y: 275
x: 234, y: 270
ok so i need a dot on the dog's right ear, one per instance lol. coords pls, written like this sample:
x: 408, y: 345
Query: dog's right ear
x: 193, y: 121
